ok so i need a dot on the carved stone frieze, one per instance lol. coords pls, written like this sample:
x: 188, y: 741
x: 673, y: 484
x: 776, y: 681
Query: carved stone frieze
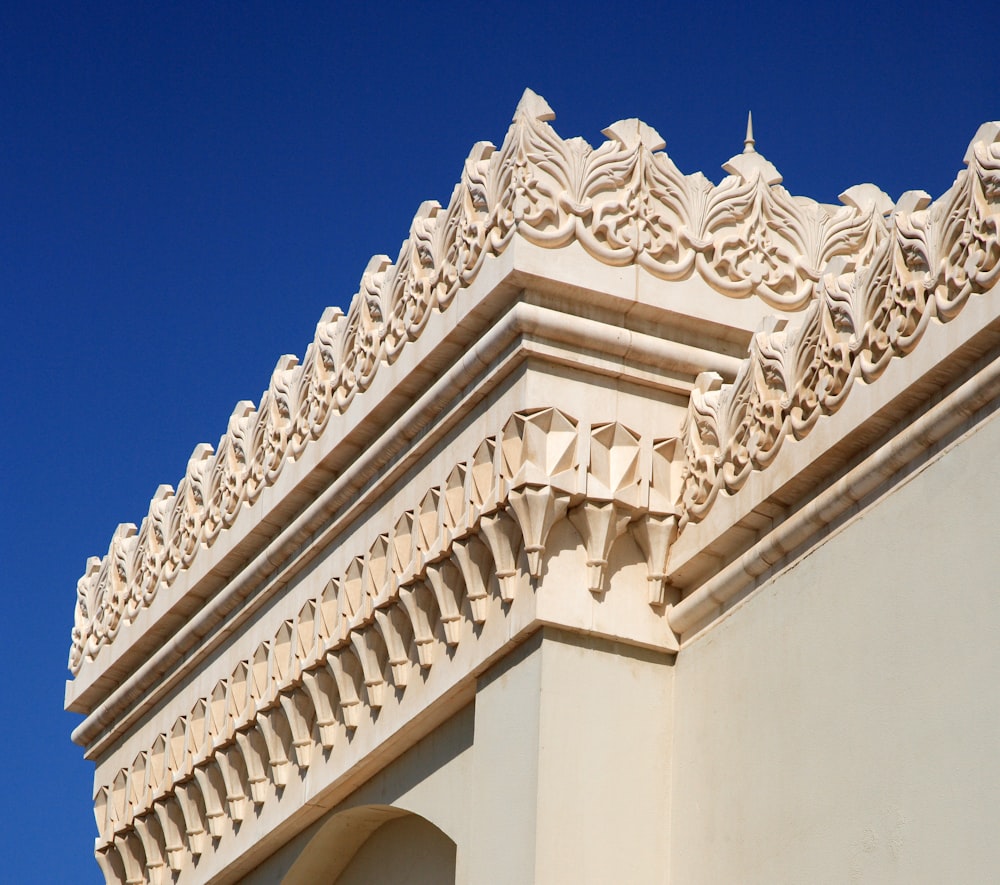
x: 937, y: 256
x: 625, y: 202
x: 482, y: 533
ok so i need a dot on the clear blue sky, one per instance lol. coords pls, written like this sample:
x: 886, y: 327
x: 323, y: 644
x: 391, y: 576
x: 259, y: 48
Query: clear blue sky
x: 184, y: 188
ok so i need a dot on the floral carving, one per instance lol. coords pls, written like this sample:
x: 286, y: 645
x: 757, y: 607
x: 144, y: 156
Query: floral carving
x: 624, y: 202
x: 937, y: 256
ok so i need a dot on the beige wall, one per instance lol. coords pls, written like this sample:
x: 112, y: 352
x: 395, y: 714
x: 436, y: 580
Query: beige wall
x: 406, y: 851
x: 559, y: 772
x: 842, y: 724
x: 572, y: 754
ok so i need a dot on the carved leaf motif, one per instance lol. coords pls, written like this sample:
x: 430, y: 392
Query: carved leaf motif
x: 807, y: 385
x: 282, y: 408
x: 670, y: 209
x: 414, y: 286
x: 623, y: 202
x: 936, y: 257
x: 193, y: 491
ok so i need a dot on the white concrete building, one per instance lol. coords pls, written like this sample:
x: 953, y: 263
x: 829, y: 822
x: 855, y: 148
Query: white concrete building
x: 628, y: 528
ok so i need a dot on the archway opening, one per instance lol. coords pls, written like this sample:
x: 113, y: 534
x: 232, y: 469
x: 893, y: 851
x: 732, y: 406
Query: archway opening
x: 376, y: 843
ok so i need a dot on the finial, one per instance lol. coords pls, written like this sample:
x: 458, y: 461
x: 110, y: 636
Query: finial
x: 748, y: 142
x: 750, y: 163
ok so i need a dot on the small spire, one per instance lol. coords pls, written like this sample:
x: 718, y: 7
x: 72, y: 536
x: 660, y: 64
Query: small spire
x: 748, y: 142
x: 750, y: 163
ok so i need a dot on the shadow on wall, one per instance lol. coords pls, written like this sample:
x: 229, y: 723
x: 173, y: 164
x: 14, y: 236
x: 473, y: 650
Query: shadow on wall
x: 376, y: 843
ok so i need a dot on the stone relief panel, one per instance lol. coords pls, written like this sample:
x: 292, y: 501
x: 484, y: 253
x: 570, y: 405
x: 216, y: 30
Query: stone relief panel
x: 937, y: 256
x: 625, y: 202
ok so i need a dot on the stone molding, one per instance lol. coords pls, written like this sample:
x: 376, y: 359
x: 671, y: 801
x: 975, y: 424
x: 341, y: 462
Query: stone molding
x: 964, y: 407
x: 625, y: 202
x: 481, y: 534
x: 937, y: 256
x: 871, y: 278
x: 525, y: 332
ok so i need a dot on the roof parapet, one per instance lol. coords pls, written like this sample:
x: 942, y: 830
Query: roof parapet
x: 624, y: 202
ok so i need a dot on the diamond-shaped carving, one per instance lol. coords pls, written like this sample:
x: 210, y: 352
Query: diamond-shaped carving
x: 239, y: 694
x: 328, y: 603
x: 377, y: 569
x: 157, y: 763
x: 483, y: 485
x: 538, y: 446
x: 402, y: 545
x: 429, y: 521
x: 119, y: 794
x: 258, y: 673
x: 197, y: 730
x: 456, y: 505
x: 614, y: 462
x: 102, y: 806
x: 305, y: 628
x: 177, y: 745
x: 352, y: 591
x: 137, y: 781
x: 664, y: 485
x: 281, y: 653
x: 217, y: 710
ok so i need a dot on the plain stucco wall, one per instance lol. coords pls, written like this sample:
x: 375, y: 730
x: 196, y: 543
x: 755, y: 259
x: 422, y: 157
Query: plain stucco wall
x: 843, y: 723
x: 405, y: 851
x: 572, y: 765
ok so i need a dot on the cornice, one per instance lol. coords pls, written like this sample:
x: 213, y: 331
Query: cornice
x: 938, y: 255
x: 526, y: 331
x: 624, y: 202
x: 961, y: 410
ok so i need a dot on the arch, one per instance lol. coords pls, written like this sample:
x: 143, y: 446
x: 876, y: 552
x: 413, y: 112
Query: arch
x: 375, y: 843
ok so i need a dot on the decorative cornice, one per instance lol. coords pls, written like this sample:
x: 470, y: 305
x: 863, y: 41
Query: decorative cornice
x: 938, y: 256
x: 479, y: 535
x: 964, y: 406
x: 625, y: 202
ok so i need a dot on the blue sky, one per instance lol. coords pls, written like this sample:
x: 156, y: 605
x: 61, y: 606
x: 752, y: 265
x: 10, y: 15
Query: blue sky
x: 184, y: 188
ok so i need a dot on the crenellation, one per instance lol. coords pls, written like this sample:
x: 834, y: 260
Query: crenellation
x: 939, y: 255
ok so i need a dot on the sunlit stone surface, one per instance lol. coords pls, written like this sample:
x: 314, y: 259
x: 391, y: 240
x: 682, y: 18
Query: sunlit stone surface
x: 628, y: 528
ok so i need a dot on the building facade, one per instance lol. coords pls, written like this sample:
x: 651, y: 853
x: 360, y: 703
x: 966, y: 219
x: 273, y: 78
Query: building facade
x: 604, y: 539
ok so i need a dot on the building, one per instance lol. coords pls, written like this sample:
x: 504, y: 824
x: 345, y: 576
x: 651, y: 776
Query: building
x: 628, y: 528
